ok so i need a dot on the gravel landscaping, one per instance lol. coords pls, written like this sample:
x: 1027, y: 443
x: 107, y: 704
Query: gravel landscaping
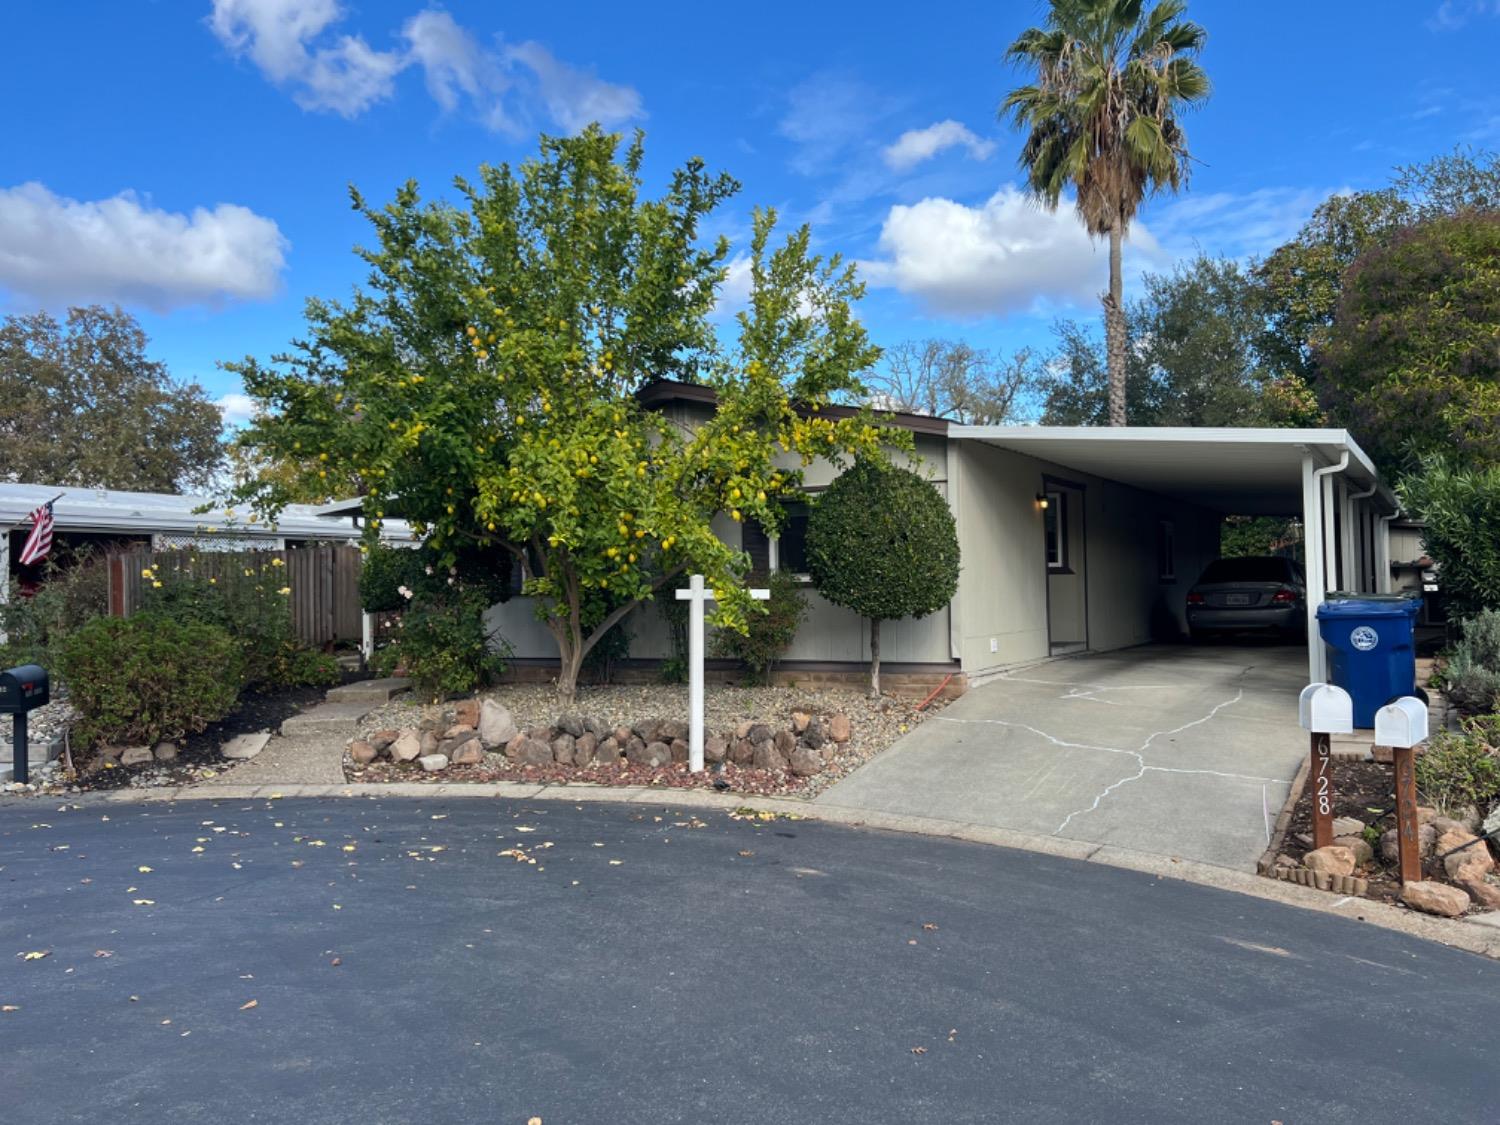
x: 874, y: 725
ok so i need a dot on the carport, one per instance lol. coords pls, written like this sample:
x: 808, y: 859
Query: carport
x: 1318, y: 476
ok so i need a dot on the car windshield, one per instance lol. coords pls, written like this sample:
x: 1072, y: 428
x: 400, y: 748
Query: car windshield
x: 1263, y: 569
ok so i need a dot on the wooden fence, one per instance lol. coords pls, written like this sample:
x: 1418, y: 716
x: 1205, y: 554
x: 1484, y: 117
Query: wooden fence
x: 324, y: 583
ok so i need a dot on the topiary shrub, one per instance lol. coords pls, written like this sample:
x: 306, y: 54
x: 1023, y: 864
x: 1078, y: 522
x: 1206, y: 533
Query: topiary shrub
x: 148, y: 677
x: 769, y: 634
x: 882, y: 542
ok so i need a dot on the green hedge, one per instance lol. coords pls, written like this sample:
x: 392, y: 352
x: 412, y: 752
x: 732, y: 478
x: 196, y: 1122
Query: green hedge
x: 148, y: 677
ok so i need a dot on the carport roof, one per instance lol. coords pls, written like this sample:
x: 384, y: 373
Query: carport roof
x: 1235, y: 471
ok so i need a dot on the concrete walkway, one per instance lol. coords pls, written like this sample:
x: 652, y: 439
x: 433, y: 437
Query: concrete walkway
x: 1179, y: 751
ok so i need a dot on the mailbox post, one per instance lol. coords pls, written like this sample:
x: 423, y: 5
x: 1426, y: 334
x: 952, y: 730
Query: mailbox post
x: 22, y: 690
x: 1402, y: 725
x: 1323, y: 710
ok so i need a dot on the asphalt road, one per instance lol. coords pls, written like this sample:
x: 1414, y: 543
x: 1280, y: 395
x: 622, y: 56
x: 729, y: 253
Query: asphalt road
x: 362, y: 961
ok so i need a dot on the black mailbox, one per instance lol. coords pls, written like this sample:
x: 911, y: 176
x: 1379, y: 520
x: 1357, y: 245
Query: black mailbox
x: 23, y: 689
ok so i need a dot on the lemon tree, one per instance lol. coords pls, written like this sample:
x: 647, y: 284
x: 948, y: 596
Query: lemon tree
x: 483, y: 383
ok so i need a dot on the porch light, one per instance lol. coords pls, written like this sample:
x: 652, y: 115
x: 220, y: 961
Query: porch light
x: 1041, y: 500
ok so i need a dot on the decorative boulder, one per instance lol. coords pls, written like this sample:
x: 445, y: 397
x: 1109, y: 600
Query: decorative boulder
x: 1363, y: 853
x: 468, y: 753
x: 806, y: 762
x: 136, y: 755
x: 681, y: 751
x: 621, y: 735
x: 584, y: 747
x: 648, y: 753
x: 496, y: 726
x: 1435, y: 898
x: 672, y: 730
x: 164, y: 751
x: 449, y: 745
x: 361, y: 753
x: 814, y: 735
x: 571, y: 725
x: 432, y: 763
x: 534, y: 753
x: 744, y: 729
x: 429, y: 742
x: 1473, y: 862
x: 382, y: 739
x: 767, y: 757
x: 785, y: 741
x: 407, y: 746
x: 634, y: 747
x: 645, y: 730
x: 715, y: 749
x: 466, y: 713
x: 742, y: 752
x: 1485, y: 894
x: 840, y: 729
x: 800, y: 719
x: 460, y: 731
x: 1332, y: 860
x: 760, y: 733
x: 562, y: 749
x: 608, y: 751
x: 1390, y: 843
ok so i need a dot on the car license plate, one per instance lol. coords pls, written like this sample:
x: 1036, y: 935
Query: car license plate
x: 1236, y: 599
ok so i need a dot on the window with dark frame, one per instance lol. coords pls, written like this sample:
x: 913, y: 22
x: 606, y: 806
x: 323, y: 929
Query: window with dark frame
x: 791, y: 543
x: 1166, y: 551
x: 1055, y: 527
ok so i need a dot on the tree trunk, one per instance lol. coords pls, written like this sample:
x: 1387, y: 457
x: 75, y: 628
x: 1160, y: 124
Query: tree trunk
x: 1114, y: 326
x: 874, y: 657
x: 570, y: 661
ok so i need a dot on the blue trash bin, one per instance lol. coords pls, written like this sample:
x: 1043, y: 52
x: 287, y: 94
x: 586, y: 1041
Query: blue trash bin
x: 1371, y: 652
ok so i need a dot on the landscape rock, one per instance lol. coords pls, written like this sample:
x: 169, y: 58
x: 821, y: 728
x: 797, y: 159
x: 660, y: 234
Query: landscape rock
x: 1347, y: 826
x: 621, y: 735
x: 164, y: 751
x: 562, y: 749
x: 760, y: 733
x: 840, y: 729
x: 786, y: 742
x: 806, y: 762
x: 1473, y: 863
x: 466, y: 713
x: 647, y: 753
x: 407, y: 746
x: 672, y: 730
x: 1389, y: 844
x: 800, y: 719
x: 496, y: 724
x: 244, y: 746
x: 1486, y: 894
x: 767, y: 757
x: 469, y: 753
x: 645, y: 729
x: 742, y: 752
x: 715, y: 749
x: 1444, y: 824
x: 429, y: 742
x: 461, y: 731
x: 607, y: 753
x: 744, y: 729
x: 432, y: 763
x: 382, y: 739
x: 361, y: 753
x: 584, y: 747
x: 571, y: 725
x: 111, y: 751
x: 680, y: 749
x: 1426, y: 814
x: 1363, y: 853
x: 136, y: 755
x: 453, y: 742
x: 1436, y: 898
x: 1332, y: 860
x: 814, y: 735
x: 534, y: 753
x: 512, y: 749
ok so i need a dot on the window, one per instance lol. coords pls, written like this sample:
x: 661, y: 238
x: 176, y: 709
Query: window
x: 1055, y: 526
x: 790, y: 546
x: 1166, y: 551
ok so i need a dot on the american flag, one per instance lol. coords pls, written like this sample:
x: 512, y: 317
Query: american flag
x: 39, y: 542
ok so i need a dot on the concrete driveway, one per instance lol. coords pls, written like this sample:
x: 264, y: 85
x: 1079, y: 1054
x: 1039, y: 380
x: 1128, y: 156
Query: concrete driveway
x: 1183, y: 751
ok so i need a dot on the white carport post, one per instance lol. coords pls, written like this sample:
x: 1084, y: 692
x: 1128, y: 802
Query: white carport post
x: 1383, y: 552
x: 4, y: 574
x: 1313, y: 547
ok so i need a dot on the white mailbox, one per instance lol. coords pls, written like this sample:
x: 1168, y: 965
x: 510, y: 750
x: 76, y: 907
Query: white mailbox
x: 1402, y: 723
x: 1325, y: 709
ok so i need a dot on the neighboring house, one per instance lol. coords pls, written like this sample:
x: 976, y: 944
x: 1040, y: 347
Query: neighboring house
x: 104, y: 518
x: 1073, y: 539
x: 1413, y: 571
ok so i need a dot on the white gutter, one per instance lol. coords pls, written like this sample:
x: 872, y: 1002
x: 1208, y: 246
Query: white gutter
x: 1315, y: 547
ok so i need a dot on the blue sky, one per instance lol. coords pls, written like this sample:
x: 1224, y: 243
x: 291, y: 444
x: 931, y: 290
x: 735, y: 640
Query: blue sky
x: 189, y: 158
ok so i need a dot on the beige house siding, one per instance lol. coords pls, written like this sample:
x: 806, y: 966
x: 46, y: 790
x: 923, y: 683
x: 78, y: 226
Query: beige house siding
x: 1004, y: 596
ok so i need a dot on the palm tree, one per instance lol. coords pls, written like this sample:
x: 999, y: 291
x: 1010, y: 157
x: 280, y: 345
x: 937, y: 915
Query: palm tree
x: 1111, y: 79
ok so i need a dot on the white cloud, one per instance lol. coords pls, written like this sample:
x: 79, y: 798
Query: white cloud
x: 1005, y: 256
x: 237, y: 408
x: 916, y: 145
x: 346, y: 76
x: 1453, y: 14
x: 574, y: 97
x: 1235, y: 226
x: 734, y: 293
x: 828, y: 117
x: 292, y: 43
x: 54, y: 249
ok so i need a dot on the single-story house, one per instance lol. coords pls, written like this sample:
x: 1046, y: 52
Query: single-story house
x: 1073, y: 539
x: 102, y: 517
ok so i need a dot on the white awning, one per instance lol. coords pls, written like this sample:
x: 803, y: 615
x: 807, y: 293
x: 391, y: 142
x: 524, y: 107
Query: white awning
x: 1233, y: 471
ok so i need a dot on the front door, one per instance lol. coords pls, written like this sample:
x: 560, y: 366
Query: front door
x: 1065, y: 558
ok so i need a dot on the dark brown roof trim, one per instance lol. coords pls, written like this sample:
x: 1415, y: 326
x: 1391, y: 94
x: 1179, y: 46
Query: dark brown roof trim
x: 664, y: 391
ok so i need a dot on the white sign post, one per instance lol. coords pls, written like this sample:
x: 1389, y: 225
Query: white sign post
x: 696, y: 595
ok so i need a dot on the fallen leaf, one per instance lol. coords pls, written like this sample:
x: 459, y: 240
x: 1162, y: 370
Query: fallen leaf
x: 143, y: 869
x: 248, y: 1004
x: 533, y: 1121
x: 747, y: 855
x: 929, y: 925
x: 911, y: 941
x: 616, y: 862
x: 199, y: 848
x: 336, y: 961
x: 144, y: 901
x: 10, y: 1007
x: 37, y: 954
x: 336, y: 906
x: 104, y: 953
x: 523, y: 828
x: 348, y: 847
x: 919, y: 1050
x: 440, y: 816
